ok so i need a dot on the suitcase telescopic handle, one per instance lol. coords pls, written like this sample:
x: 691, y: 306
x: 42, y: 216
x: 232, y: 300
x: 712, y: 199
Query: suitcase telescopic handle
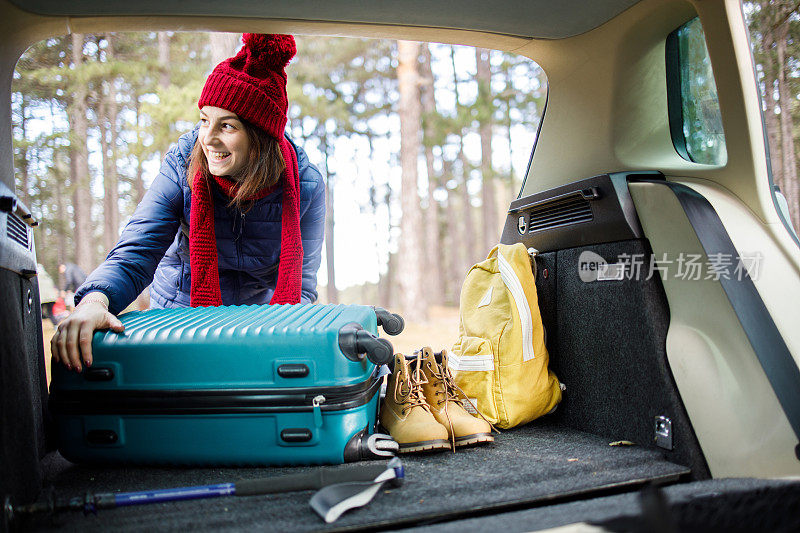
x: 355, y: 341
x: 392, y: 323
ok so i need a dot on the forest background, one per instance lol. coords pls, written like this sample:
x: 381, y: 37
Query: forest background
x: 423, y: 146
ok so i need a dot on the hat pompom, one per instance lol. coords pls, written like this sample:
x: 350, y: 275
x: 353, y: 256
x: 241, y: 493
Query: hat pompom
x: 273, y: 50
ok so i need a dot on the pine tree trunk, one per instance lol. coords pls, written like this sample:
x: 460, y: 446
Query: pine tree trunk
x: 509, y: 185
x: 469, y: 237
x: 62, y: 223
x: 24, y: 177
x: 79, y: 164
x: 382, y: 294
x: 413, y: 302
x: 164, y: 80
x: 386, y: 293
x: 433, y: 249
x: 509, y: 124
x: 108, y: 228
x: 108, y: 137
x: 113, y: 113
x: 789, y: 163
x: 770, y: 118
x: 491, y: 232
x: 138, y: 181
x: 453, y: 245
x: 467, y: 226
x: 332, y: 291
x: 773, y: 127
x: 163, y: 58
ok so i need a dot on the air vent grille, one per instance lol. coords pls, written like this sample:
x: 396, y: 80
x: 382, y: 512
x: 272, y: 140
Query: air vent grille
x: 17, y: 230
x: 569, y: 209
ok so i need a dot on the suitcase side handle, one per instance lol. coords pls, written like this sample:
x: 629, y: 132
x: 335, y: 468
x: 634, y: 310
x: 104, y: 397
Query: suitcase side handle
x: 355, y: 341
x: 392, y: 323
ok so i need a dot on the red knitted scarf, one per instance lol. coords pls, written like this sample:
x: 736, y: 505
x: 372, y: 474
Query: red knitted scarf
x: 205, y: 289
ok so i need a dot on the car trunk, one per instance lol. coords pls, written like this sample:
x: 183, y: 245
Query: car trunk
x: 621, y: 424
x: 620, y: 430
x: 543, y: 462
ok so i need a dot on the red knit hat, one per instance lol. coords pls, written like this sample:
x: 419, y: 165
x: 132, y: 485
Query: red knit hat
x: 252, y: 84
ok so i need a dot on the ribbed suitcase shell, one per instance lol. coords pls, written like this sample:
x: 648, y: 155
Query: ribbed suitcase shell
x: 211, y: 386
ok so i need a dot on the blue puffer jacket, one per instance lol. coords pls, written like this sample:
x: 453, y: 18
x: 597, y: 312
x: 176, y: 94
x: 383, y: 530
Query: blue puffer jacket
x: 248, y: 244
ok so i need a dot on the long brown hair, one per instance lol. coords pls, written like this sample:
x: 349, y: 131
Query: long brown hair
x: 264, y: 166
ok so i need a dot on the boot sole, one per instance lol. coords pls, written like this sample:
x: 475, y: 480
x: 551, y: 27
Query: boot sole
x: 471, y: 440
x: 424, y: 446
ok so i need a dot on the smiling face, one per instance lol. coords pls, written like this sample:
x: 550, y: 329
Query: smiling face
x: 224, y: 141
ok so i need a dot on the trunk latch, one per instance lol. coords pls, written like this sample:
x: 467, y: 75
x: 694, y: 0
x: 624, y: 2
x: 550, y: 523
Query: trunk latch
x: 663, y: 432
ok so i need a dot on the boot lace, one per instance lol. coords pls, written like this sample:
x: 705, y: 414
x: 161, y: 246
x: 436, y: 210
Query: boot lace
x: 408, y: 390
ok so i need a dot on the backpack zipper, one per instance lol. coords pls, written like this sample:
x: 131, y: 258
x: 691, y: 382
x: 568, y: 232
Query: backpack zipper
x: 514, y: 286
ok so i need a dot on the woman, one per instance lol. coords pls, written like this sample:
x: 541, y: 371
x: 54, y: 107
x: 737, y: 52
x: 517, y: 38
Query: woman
x: 236, y: 215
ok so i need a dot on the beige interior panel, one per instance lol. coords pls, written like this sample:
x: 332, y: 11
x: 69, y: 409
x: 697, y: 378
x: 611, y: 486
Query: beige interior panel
x: 739, y: 423
x: 778, y: 278
x: 608, y: 101
x: 607, y: 98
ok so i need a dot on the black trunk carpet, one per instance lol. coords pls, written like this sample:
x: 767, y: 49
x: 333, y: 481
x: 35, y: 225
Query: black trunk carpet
x: 725, y: 505
x: 526, y: 466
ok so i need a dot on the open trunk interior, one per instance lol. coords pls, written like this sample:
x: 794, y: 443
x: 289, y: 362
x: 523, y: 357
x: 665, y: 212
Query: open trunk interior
x: 625, y: 449
x: 541, y: 462
x: 620, y: 430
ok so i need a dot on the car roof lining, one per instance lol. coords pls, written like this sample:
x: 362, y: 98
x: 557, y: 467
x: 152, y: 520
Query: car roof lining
x: 542, y: 19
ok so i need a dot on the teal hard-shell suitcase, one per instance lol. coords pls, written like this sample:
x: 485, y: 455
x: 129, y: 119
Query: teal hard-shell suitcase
x: 235, y: 385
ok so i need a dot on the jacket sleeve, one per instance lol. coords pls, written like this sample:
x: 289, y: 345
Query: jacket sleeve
x: 130, y: 266
x: 312, y: 229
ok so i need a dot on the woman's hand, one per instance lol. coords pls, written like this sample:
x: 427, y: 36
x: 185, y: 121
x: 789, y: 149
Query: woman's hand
x: 72, y: 340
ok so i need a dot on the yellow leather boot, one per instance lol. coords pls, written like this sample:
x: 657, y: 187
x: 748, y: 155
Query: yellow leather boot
x: 406, y: 415
x: 446, y: 402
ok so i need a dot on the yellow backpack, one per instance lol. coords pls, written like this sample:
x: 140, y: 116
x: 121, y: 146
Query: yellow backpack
x: 500, y: 360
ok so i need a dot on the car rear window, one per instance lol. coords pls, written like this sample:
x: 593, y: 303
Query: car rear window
x: 694, y: 114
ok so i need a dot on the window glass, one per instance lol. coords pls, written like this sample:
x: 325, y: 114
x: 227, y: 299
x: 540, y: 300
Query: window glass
x: 95, y: 114
x: 699, y: 125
